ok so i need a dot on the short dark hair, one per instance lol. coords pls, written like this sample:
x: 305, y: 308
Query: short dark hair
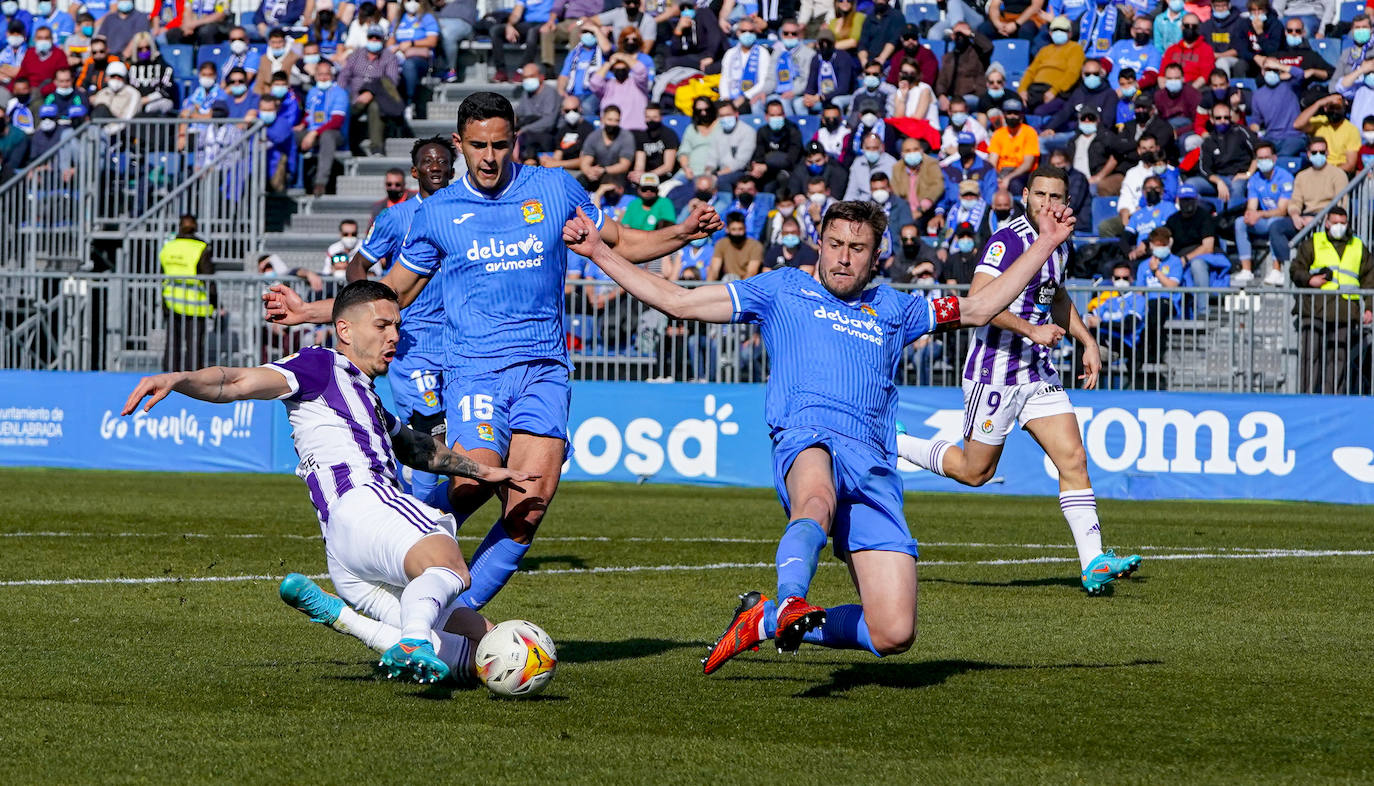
x: 280, y: 76
x: 1126, y: 73
x: 1052, y: 172
x: 358, y: 293
x: 734, y: 218
x: 442, y: 141
x: 1161, y: 235
x: 276, y: 32
x: 484, y: 105
x: 1266, y: 144
x: 856, y: 210
x: 346, y: 222
x: 236, y: 70
x: 1338, y: 211
x: 399, y: 171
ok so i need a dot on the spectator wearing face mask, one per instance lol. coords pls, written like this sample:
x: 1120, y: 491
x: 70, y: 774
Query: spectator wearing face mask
x: 1192, y: 54
x: 898, y: 214
x: 831, y: 78
x: 1225, y: 160
x: 607, y: 155
x: 744, y: 70
x: 1297, y: 51
x: 279, y: 57
x: 908, y: 254
x: 962, y: 255
x: 1079, y: 187
x: 817, y: 163
x: 1092, y: 95
x: 1092, y: 153
x: 833, y: 133
x: 1055, y: 69
x: 79, y: 42
x: 965, y: 165
x: 12, y: 58
x: 882, y: 30
x: 968, y: 207
x: 1326, y: 119
x: 1355, y: 55
x: 537, y: 111
x: 274, y: 15
x: 280, y: 115
x: 792, y: 58
x: 1194, y: 229
x: 736, y: 255
x: 789, y: 250
x: 1330, y: 261
x: 569, y: 133
x: 1226, y: 33
x: 1367, y: 143
x: 1358, y: 87
x: 241, y: 55
x: 11, y: 15
x: 692, y: 263
x: 648, y: 211
x: 871, y: 160
x: 961, y: 122
x: 1275, y: 106
x: 121, y: 25
x: 1268, y: 192
x: 630, y: 16
x: 372, y: 76
x: 1117, y: 318
x: 1138, y: 53
x: 695, y: 37
x: 1154, y: 210
x: 918, y: 181
x: 152, y: 77
x: 1145, y: 121
x: 321, y: 129
x: 198, y: 104
x: 964, y: 67
x: 340, y: 251
x: 695, y: 152
x: 912, y: 54
x: 732, y: 146
x: 116, y: 99
x: 1014, y: 148
x: 1178, y: 101
x: 1219, y: 90
x: 1161, y: 272
x: 1313, y: 189
x: 655, y: 149
x: 777, y: 149
x: 873, y: 93
x: 41, y: 62
x: 623, y: 81
x: 394, y: 186
x: 750, y: 203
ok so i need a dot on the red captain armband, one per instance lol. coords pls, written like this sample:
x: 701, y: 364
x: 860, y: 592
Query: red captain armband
x: 946, y: 312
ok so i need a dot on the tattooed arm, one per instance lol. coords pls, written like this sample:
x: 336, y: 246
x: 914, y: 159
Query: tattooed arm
x: 421, y: 451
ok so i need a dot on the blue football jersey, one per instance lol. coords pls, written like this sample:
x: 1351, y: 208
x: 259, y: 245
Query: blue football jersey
x: 499, y: 263
x: 422, y: 322
x: 832, y: 362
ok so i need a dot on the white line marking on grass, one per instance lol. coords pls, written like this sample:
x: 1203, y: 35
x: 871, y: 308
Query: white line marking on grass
x: 1264, y: 554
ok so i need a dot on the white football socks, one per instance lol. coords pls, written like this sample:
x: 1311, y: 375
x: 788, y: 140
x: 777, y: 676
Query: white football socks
x: 1080, y: 510
x: 424, y: 597
x: 928, y: 454
x: 452, y: 648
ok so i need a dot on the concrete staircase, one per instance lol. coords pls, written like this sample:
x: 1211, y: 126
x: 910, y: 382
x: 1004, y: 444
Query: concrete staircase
x: 316, y: 223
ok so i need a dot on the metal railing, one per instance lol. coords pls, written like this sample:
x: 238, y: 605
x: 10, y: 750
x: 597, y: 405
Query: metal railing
x: 1358, y: 199
x: 1195, y: 339
x: 113, y: 181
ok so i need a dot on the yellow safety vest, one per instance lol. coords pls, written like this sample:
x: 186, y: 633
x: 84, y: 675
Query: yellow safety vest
x: 1345, y: 268
x: 185, y: 296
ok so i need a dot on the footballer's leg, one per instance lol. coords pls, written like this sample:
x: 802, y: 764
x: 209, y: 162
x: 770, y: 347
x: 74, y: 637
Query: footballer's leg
x: 810, y: 484
x: 475, y: 421
x: 990, y: 414
x: 456, y: 650
x: 1059, y: 437
x: 887, y: 584
x: 534, y: 425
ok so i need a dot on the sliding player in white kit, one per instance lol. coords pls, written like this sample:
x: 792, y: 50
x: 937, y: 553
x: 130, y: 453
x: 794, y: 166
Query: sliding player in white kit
x: 1009, y: 378
x: 390, y: 556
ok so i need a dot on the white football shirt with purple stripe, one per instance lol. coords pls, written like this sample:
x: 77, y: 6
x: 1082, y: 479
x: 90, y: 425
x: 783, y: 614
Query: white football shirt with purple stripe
x: 1002, y: 357
x: 341, y: 430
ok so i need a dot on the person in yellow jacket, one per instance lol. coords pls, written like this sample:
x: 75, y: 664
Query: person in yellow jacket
x: 187, y: 302
x: 1055, y: 69
x: 1337, y: 263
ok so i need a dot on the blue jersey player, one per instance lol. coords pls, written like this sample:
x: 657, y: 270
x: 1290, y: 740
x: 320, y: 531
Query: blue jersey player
x: 417, y: 373
x: 834, y: 346
x: 492, y: 244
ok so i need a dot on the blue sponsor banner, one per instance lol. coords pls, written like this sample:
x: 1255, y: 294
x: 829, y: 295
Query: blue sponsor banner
x: 1139, y: 445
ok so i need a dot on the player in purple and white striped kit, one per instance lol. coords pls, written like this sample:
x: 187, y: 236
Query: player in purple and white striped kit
x: 390, y: 556
x: 1008, y: 377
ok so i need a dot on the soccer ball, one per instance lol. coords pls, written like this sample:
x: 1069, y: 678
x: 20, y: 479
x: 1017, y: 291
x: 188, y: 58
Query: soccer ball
x: 516, y: 658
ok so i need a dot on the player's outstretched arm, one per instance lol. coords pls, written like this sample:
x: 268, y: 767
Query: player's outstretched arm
x: 981, y: 307
x: 285, y: 307
x: 422, y: 451
x: 707, y: 304
x: 218, y: 384
x: 638, y: 245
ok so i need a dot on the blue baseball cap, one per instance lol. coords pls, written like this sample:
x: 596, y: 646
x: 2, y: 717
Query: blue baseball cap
x: 1187, y: 192
x: 967, y: 138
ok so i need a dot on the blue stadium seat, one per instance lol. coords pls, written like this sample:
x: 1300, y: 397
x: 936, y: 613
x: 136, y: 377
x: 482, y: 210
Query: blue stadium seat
x: 756, y: 121
x: 678, y: 123
x: 1291, y: 163
x: 1037, y: 121
x: 1351, y: 10
x: 917, y: 13
x: 1013, y: 54
x: 212, y: 54
x: 1215, y: 204
x: 1328, y: 48
x: 808, y: 125
x: 1243, y: 84
x: 936, y: 45
x: 182, y: 59
x: 1103, y: 209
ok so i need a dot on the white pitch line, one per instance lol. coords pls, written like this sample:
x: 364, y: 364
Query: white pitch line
x: 1267, y: 554
x: 600, y: 539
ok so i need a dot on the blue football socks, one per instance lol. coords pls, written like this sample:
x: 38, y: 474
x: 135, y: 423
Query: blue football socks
x: 844, y: 629
x: 492, y: 565
x: 799, y: 552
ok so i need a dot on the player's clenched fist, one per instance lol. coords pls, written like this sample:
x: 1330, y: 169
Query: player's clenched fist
x: 703, y: 221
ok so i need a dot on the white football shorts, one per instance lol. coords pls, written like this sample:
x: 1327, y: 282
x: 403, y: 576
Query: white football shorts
x: 990, y: 411
x: 370, y: 530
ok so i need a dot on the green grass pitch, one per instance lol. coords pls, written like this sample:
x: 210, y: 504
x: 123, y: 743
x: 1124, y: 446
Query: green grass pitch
x: 1240, y: 653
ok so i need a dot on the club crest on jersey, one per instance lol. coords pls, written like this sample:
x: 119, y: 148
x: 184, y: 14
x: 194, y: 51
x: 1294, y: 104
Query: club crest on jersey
x: 869, y: 310
x: 533, y: 211
x: 986, y: 426
x: 431, y: 398
x: 485, y: 432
